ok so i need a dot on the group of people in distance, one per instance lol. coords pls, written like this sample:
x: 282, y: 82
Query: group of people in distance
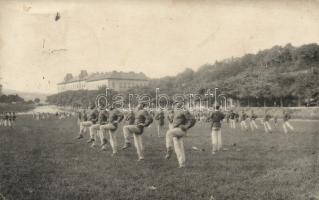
x: 233, y: 118
x: 104, y: 123
x: 7, y: 119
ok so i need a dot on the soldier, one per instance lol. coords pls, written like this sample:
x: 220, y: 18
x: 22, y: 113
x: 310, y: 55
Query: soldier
x: 266, y: 123
x: 243, y: 118
x: 232, y: 117
x: 1, y: 119
x: 113, y: 120
x: 93, y: 115
x: 252, y: 121
x: 286, y: 123
x: 170, y: 118
x: 182, y: 122
x: 160, y: 122
x: 216, y: 118
x: 6, y: 119
x: 143, y: 119
x: 82, y: 117
x: 130, y: 117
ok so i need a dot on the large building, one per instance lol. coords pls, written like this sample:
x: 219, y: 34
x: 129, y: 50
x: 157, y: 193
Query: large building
x: 119, y: 81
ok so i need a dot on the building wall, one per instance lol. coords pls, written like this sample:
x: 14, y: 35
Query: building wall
x: 115, y: 84
x: 94, y: 85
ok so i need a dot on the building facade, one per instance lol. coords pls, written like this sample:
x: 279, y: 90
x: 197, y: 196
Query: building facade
x: 119, y: 81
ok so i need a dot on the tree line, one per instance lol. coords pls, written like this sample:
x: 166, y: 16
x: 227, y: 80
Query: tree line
x: 279, y: 76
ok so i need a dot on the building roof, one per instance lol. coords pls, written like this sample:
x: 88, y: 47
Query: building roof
x: 109, y: 75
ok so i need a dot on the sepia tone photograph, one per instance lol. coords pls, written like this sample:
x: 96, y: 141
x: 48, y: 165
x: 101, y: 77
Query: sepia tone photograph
x: 159, y: 100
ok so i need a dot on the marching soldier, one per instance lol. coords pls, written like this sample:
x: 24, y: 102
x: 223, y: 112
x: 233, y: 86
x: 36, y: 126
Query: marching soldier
x: 93, y: 115
x: 143, y: 119
x: 252, y: 121
x: 216, y: 118
x: 160, y: 122
x: 232, y: 119
x: 130, y: 117
x: 113, y: 120
x: 286, y: 123
x: 182, y: 122
x: 266, y: 123
x: 243, y: 118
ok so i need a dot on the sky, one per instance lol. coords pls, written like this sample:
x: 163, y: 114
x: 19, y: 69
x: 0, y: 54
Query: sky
x: 158, y: 38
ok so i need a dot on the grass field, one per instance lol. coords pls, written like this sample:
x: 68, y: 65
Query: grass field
x: 42, y: 160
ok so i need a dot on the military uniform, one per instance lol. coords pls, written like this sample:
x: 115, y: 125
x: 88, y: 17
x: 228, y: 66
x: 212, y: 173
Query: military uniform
x: 114, y: 118
x: 160, y: 122
x: 286, y: 123
x: 232, y: 118
x: 143, y: 119
x: 252, y: 121
x: 182, y: 122
x: 266, y: 123
x: 243, y: 118
x: 215, y: 118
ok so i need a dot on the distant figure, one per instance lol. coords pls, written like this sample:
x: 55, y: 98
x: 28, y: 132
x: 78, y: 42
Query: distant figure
x: 252, y: 121
x: 160, y: 122
x: 232, y: 118
x: 243, y: 118
x: 7, y: 121
x: 266, y: 123
x: 216, y: 118
x: 2, y: 119
x: 286, y: 123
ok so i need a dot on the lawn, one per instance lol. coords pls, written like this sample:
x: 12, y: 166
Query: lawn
x: 42, y: 160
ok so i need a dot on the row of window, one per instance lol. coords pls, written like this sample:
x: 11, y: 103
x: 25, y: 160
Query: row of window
x: 113, y: 85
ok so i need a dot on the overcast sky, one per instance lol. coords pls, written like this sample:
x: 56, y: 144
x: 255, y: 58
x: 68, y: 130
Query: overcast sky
x: 158, y: 38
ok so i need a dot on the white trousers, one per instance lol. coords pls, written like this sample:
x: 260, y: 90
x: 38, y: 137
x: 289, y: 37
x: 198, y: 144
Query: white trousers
x: 94, y: 128
x: 232, y: 123
x: 160, y: 129
x: 243, y: 125
x: 253, y: 124
x: 111, y: 129
x: 287, y: 125
x: 137, y: 135
x: 216, y: 139
x: 84, y: 126
x: 174, y: 137
x: 267, y: 126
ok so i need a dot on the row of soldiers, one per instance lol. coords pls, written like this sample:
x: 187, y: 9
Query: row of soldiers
x: 247, y: 121
x: 103, y: 122
x: 7, y: 119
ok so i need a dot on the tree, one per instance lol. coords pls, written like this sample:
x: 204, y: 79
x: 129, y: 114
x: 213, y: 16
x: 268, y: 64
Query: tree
x: 37, y: 100
x: 68, y: 77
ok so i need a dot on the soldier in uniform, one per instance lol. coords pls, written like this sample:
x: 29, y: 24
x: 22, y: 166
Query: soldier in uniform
x: 160, y: 122
x: 143, y: 119
x: 243, y: 118
x: 215, y: 119
x: 232, y: 116
x: 182, y: 122
x: 252, y: 121
x: 130, y: 117
x: 266, y: 123
x: 286, y: 123
x: 82, y: 117
x: 114, y: 118
x: 93, y: 115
